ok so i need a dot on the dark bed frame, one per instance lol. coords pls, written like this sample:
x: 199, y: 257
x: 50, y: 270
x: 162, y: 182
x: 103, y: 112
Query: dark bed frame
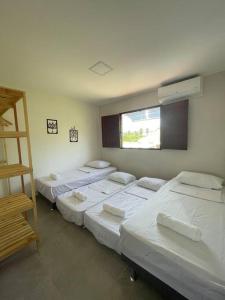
x: 166, y: 291
x: 53, y: 205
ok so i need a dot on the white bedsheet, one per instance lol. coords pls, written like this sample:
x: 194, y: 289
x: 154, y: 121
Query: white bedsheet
x: 87, y: 169
x: 73, y: 209
x: 198, y: 192
x: 140, y: 192
x: 195, y: 269
x: 107, y: 187
x: 105, y: 226
x: 70, y: 180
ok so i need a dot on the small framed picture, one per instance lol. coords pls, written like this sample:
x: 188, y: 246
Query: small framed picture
x: 73, y: 134
x: 52, y: 126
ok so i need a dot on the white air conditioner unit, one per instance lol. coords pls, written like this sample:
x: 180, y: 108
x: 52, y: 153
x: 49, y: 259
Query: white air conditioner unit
x: 180, y: 90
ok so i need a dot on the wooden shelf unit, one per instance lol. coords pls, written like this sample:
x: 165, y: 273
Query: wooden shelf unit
x: 8, y: 98
x: 13, y: 170
x: 15, y: 231
x: 14, y: 204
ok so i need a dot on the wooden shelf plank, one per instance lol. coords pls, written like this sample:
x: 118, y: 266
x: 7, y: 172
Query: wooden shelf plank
x: 13, y: 170
x: 12, y: 134
x: 15, y: 233
x: 4, y: 108
x: 14, y: 204
x: 9, y: 93
x: 8, y: 97
x: 4, y: 104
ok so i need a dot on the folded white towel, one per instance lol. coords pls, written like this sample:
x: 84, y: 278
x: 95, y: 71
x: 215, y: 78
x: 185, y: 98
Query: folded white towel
x: 80, y: 196
x: 190, y: 231
x: 116, y: 211
x: 55, y: 176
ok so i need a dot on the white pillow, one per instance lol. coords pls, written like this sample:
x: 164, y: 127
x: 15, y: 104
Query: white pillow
x: 122, y: 177
x: 151, y: 183
x: 98, y: 164
x: 200, y: 179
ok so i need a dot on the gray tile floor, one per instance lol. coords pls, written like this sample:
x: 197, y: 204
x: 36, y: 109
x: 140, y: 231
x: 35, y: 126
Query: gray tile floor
x: 71, y: 264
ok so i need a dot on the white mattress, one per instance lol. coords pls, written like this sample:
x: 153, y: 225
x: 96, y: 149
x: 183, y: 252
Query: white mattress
x: 105, y: 226
x: 195, y: 269
x: 70, y: 180
x: 73, y: 209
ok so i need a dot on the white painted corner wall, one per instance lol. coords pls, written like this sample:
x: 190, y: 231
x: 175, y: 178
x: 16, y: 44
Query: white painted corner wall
x: 206, y: 136
x: 54, y: 152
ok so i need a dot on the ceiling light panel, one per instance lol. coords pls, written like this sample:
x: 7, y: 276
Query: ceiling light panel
x: 101, y: 68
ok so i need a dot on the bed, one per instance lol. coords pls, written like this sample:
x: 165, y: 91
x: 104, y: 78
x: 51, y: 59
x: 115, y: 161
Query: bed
x: 73, y: 209
x: 105, y: 226
x: 196, y: 270
x: 70, y: 180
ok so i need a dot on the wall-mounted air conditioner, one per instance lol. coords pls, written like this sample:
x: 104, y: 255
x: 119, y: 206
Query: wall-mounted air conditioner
x: 180, y: 90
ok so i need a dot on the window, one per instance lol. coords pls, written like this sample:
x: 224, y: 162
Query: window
x: 161, y: 127
x: 141, y: 129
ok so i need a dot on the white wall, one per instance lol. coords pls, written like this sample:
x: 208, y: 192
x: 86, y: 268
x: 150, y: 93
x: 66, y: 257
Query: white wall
x: 206, y: 151
x: 206, y: 139
x: 54, y: 152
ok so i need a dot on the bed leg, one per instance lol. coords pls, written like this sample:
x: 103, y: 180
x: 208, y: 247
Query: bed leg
x: 133, y: 275
x: 53, y: 206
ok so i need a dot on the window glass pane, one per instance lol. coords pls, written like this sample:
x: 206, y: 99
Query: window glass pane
x: 141, y: 129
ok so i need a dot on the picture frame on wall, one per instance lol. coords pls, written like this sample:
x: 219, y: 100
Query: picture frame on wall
x: 73, y: 135
x: 52, y: 126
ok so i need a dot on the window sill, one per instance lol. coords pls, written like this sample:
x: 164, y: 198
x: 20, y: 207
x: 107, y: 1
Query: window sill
x: 123, y: 148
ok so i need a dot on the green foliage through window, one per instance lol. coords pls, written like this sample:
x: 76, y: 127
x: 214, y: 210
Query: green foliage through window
x: 132, y: 136
x: 141, y: 129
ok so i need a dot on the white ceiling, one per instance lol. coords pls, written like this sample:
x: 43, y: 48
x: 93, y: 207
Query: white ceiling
x: 50, y: 44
